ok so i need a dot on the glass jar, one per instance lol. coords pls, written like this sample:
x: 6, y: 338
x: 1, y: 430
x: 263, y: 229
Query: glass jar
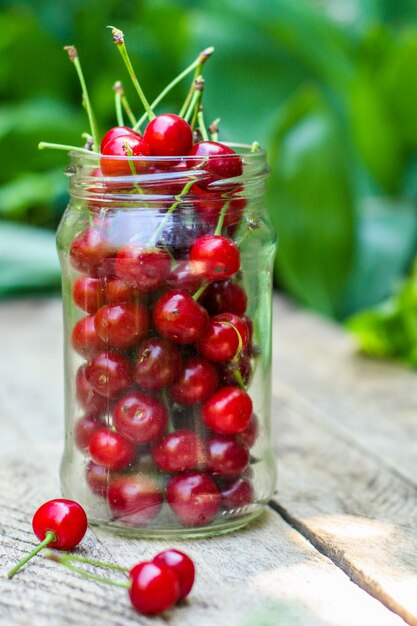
x: 167, y: 280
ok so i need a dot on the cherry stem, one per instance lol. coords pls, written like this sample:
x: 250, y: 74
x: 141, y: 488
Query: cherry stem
x: 199, y: 87
x: 118, y: 39
x: 203, y: 56
x: 255, y: 147
x: 214, y: 130
x: 202, y: 125
x: 195, y: 100
x: 129, y: 153
x: 73, y: 56
x: 172, y: 208
x: 222, y: 216
x: 49, y: 537
x: 195, y: 64
x: 200, y: 292
x: 43, y: 145
x: 239, y: 379
x: 85, y: 559
x: 252, y: 225
x: 66, y: 562
x: 118, y: 90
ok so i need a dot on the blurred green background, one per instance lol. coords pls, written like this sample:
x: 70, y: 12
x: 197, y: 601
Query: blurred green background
x: 328, y: 86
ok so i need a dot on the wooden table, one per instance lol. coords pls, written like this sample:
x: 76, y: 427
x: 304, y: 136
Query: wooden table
x: 336, y: 547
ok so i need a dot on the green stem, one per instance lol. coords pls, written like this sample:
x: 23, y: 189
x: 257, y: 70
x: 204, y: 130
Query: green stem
x: 200, y: 291
x: 129, y: 153
x: 199, y: 68
x: 118, y: 105
x: 118, y: 39
x: 85, y: 559
x: 73, y: 55
x: 85, y: 574
x: 49, y: 537
x: 222, y: 216
x: 173, y: 83
x: 239, y: 379
x: 194, y: 101
x: 199, y: 87
x: 43, y: 145
x: 214, y: 130
x: 172, y: 208
x: 202, y: 125
x: 129, y: 112
x: 255, y: 147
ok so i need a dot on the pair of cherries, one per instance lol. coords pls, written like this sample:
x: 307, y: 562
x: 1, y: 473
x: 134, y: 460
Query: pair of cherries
x: 153, y: 586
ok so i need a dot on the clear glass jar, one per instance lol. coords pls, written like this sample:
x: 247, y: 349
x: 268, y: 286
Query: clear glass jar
x: 167, y: 280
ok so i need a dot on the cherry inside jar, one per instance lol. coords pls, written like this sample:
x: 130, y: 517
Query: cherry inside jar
x: 167, y: 280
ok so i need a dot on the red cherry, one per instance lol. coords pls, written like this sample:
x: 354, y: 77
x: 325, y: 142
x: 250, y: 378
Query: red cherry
x: 92, y: 402
x: 154, y: 587
x: 249, y: 435
x: 216, y: 257
x: 226, y: 456
x: 86, y: 293
x: 97, y: 478
x: 197, y: 382
x: 117, y: 131
x: 168, y: 135
x: 208, y: 204
x: 181, y: 565
x: 85, y: 339
x: 91, y: 254
x: 229, y: 372
x: 140, y: 418
x: 226, y: 336
x: 185, y: 277
x: 179, y: 451
x: 224, y: 296
x: 157, y: 364
x: 108, y: 373
x: 84, y: 429
x: 60, y: 524
x: 180, y: 318
x: 145, y: 269
x: 122, y: 325
x: 228, y: 411
x: 132, y: 145
x: 111, y: 450
x: 134, y: 500
x: 223, y: 162
x: 194, y: 498
x: 237, y: 494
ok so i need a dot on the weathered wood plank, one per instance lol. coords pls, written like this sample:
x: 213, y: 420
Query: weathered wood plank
x: 267, y: 574
x: 358, y: 513
x: 371, y: 403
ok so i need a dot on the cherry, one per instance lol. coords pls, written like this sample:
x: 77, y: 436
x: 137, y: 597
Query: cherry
x: 233, y: 373
x: 91, y: 254
x: 122, y: 325
x: 92, y: 402
x: 168, y: 135
x: 154, y: 587
x: 226, y: 456
x: 85, y: 339
x: 208, y: 204
x: 197, y: 382
x: 237, y: 494
x: 84, y: 428
x: 141, y: 267
x: 157, y: 364
x: 228, y: 411
x: 60, y: 524
x: 181, y: 565
x: 216, y: 257
x: 97, y: 477
x: 108, y: 373
x: 185, y: 277
x: 226, y: 336
x: 111, y: 450
x: 223, y: 162
x: 86, y: 293
x: 194, y: 498
x: 249, y: 435
x: 134, y: 499
x: 179, y: 451
x: 117, y: 131
x: 180, y: 318
x: 132, y: 145
x: 115, y: 291
x: 140, y: 418
x: 224, y: 296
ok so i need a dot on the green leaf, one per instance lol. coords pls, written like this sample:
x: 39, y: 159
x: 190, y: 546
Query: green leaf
x: 386, y: 243
x: 28, y: 259
x: 310, y: 203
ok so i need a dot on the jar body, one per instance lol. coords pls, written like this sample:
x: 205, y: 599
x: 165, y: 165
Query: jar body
x: 167, y: 350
